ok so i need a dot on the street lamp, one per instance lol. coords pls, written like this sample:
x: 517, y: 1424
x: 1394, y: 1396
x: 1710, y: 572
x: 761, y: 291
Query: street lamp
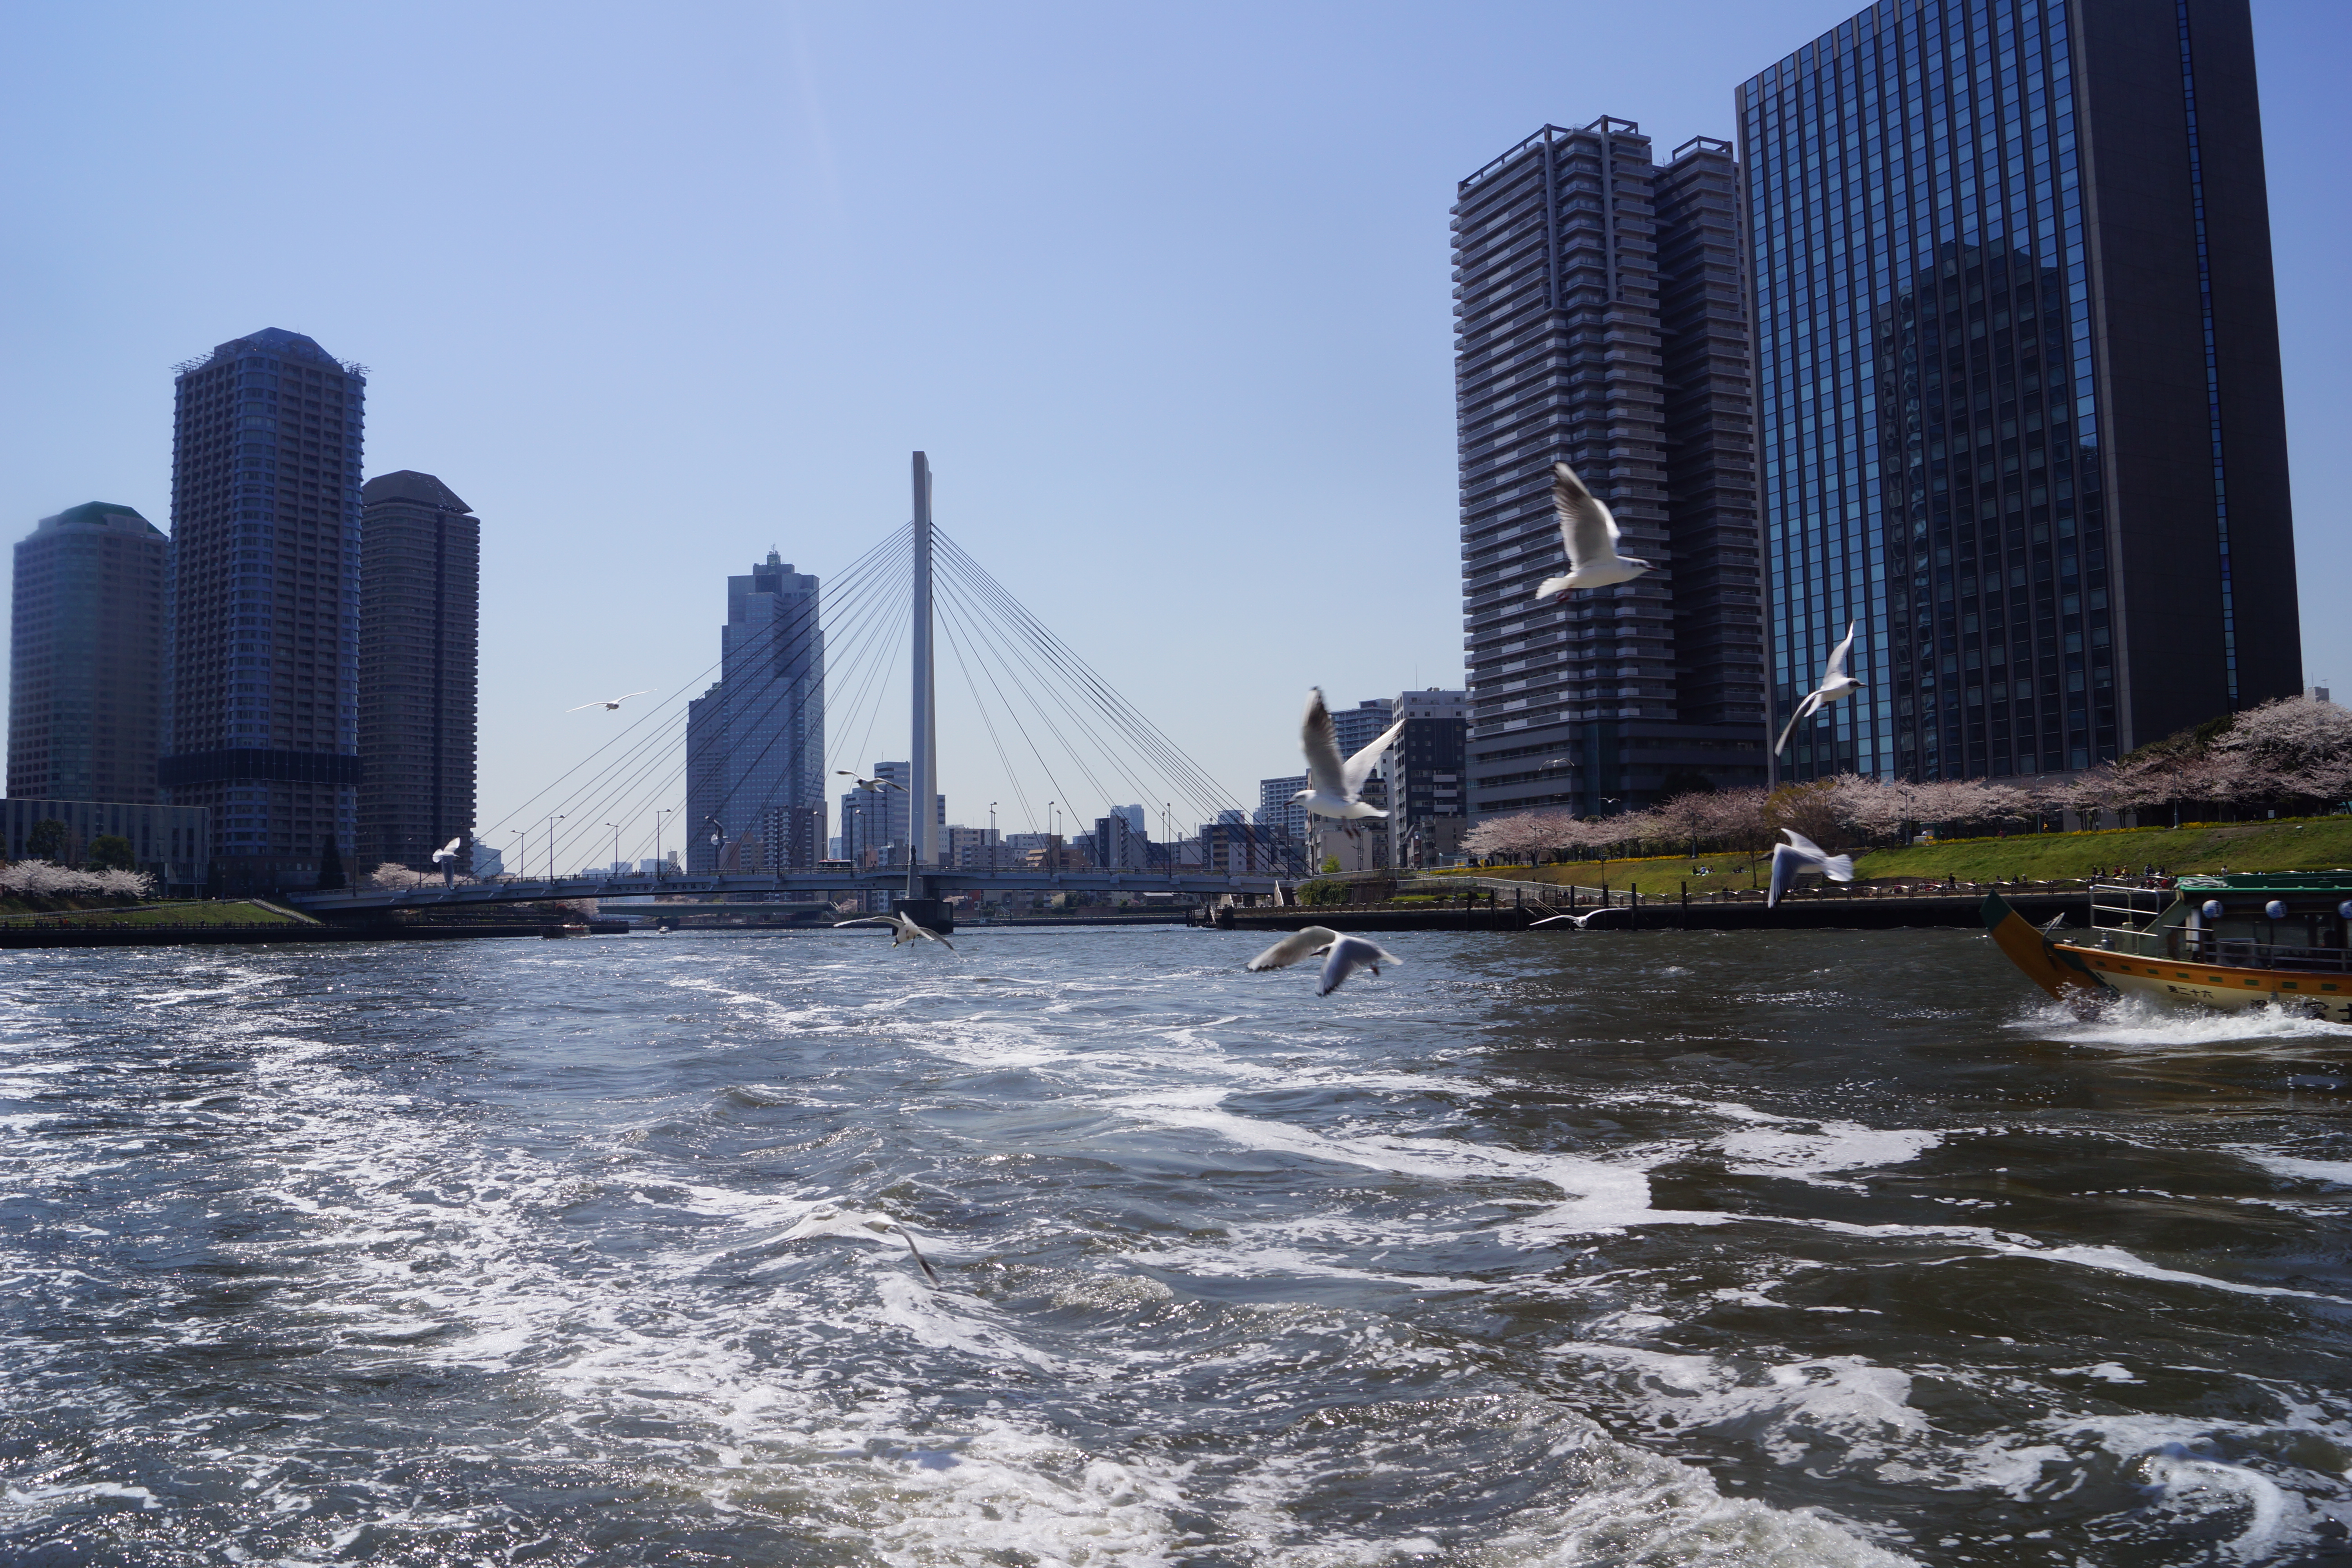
x: 521, y: 847
x: 992, y: 838
x: 616, y: 846
x: 552, y: 819
x: 659, y: 863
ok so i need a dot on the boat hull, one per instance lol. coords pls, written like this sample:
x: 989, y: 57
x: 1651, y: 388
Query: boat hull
x: 2217, y: 985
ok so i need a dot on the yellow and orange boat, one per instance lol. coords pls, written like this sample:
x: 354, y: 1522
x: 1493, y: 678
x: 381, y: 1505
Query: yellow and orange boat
x: 2235, y: 941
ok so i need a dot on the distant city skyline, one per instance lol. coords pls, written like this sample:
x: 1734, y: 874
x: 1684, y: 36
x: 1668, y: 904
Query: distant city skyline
x: 711, y: 407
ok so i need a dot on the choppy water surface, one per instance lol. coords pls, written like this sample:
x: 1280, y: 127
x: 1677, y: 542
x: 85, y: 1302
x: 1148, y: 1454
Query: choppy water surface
x: 1548, y: 1248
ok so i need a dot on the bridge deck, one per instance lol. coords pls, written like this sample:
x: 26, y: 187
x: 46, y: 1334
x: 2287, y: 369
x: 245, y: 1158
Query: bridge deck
x: 516, y: 891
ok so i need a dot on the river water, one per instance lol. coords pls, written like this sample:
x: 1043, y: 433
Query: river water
x: 1543, y: 1249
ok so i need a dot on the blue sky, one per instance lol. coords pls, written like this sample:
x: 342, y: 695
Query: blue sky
x: 1163, y: 292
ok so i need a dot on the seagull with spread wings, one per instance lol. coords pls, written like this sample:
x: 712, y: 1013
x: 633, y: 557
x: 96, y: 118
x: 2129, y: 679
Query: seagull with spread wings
x: 447, y: 859
x: 1589, y: 533
x: 1334, y: 786
x: 1304, y: 942
x: 1800, y: 856
x: 1607, y: 914
x: 902, y: 929
x: 1836, y: 686
x: 1348, y: 954
x: 606, y: 702
x: 871, y: 786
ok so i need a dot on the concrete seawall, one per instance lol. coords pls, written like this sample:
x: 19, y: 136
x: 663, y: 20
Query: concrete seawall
x: 1802, y: 913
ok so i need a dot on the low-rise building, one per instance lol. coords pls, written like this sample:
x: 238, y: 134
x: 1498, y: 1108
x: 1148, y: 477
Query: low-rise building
x: 172, y: 844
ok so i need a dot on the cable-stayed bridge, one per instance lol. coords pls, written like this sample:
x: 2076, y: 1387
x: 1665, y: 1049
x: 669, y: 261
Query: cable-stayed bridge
x: 1059, y: 732
x: 892, y: 881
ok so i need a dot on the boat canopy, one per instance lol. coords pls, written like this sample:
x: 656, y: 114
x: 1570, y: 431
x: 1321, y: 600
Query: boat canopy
x: 2332, y: 882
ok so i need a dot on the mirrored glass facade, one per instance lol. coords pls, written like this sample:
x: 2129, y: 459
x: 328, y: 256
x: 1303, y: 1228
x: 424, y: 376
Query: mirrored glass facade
x: 2011, y: 381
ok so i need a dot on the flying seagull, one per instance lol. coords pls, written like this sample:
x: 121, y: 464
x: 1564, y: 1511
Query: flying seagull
x: 902, y: 929
x: 1799, y: 856
x: 839, y: 1222
x: 1304, y: 942
x: 1348, y: 954
x: 1591, y: 535
x: 1584, y: 920
x: 1332, y: 784
x: 603, y: 702
x: 449, y: 851
x: 447, y: 859
x: 1836, y: 687
x: 871, y: 786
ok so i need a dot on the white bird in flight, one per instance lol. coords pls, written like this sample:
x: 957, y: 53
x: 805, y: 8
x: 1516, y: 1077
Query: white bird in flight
x: 449, y: 851
x: 1304, y: 942
x: 1333, y: 786
x: 606, y: 702
x: 1800, y: 856
x: 902, y: 929
x: 1583, y: 921
x: 1590, y: 534
x: 1348, y: 954
x: 872, y: 786
x: 1836, y: 686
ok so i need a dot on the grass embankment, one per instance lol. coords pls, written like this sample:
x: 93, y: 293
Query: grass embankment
x: 190, y: 912
x: 2307, y: 844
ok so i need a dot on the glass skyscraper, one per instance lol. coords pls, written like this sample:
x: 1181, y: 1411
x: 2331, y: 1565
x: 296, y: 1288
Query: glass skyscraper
x: 2019, y: 407
x: 263, y: 689
x: 755, y: 739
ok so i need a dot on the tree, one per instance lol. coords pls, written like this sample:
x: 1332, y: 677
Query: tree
x: 112, y: 852
x: 46, y: 839
x: 330, y: 865
x: 1812, y: 809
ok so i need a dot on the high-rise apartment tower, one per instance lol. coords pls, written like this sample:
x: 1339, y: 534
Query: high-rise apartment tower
x: 86, y: 657
x: 1600, y: 323
x: 755, y: 739
x: 420, y: 598
x: 2018, y: 377
x: 262, y: 723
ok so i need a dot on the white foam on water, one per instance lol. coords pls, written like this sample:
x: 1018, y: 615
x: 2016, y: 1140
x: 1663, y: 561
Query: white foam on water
x: 2145, y: 1023
x: 2332, y: 1172
x: 1787, y: 1409
x: 1598, y: 1500
x: 1601, y: 1195
x: 1775, y: 1147
x: 2191, y: 1482
x: 1848, y: 1414
x: 2115, y: 1261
